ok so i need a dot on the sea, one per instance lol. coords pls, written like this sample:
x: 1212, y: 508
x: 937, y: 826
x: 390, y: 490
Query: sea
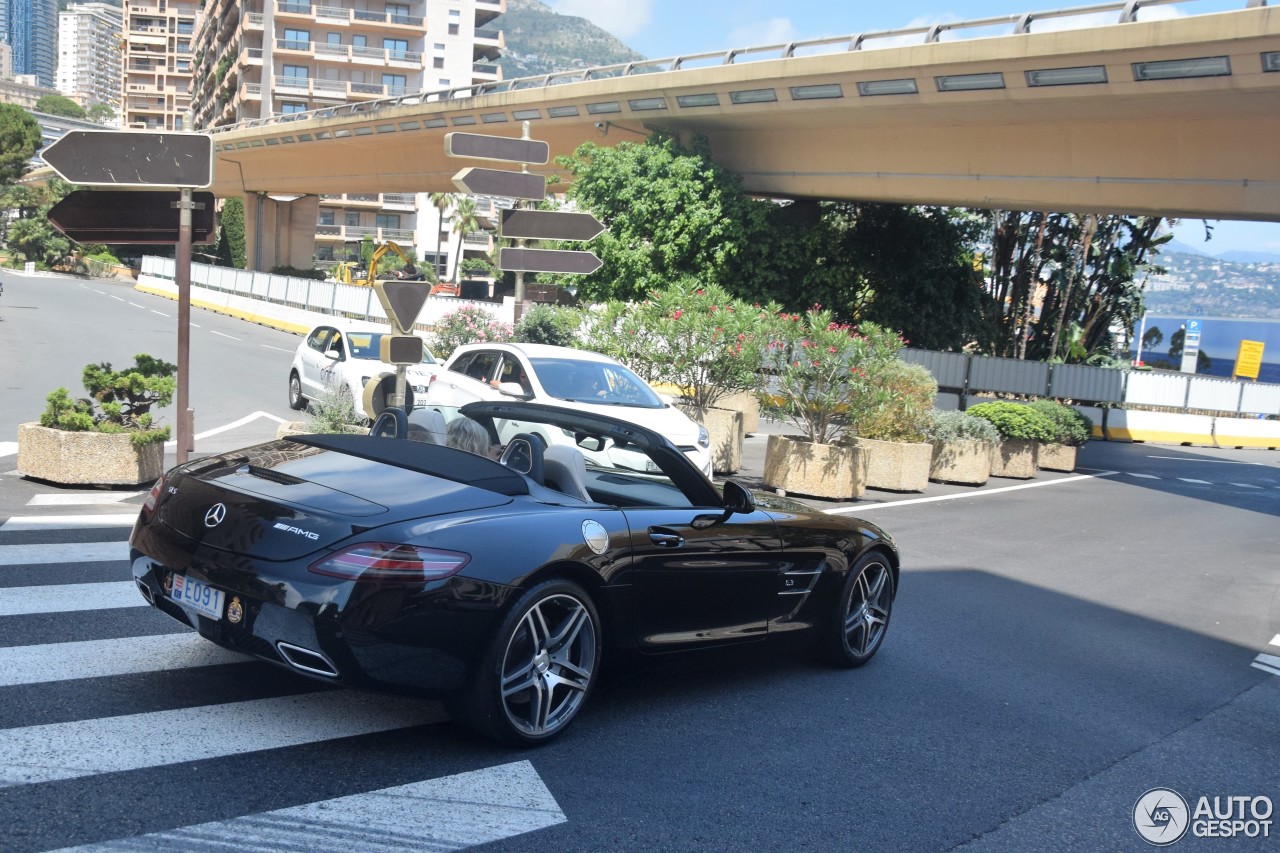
x: 1220, y: 339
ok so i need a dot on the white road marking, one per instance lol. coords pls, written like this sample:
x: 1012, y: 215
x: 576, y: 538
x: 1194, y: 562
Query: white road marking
x: 1205, y: 461
x: 1267, y: 663
x: 8, y: 448
x: 277, y: 349
x: 63, y: 552
x: 978, y: 494
x: 1197, y: 482
x: 161, y: 313
x: 216, y: 332
x: 68, y: 522
x: 1246, y: 485
x: 118, y: 298
x: 136, y: 305
x: 95, y: 290
x: 69, y: 597
x: 82, y: 498
x: 196, y: 326
x: 451, y: 813
x: 1142, y: 476
x: 82, y: 748
x: 233, y: 425
x: 1275, y: 641
x: 99, y: 658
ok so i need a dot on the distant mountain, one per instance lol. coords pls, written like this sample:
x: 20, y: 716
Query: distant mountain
x: 540, y: 41
x: 1181, y: 247
x: 1195, y: 284
x: 1244, y: 257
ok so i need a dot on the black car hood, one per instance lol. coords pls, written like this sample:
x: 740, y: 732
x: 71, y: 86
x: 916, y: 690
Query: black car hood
x: 284, y: 499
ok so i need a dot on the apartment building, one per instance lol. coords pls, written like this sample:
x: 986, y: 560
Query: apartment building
x: 30, y: 28
x: 158, y: 37
x: 259, y: 58
x: 90, y: 55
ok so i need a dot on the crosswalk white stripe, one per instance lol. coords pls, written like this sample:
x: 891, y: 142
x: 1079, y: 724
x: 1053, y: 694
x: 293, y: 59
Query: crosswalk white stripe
x: 450, y: 813
x: 8, y: 448
x: 68, y: 522
x: 1272, y: 670
x: 98, y: 658
x: 82, y: 498
x: 63, y: 552
x: 68, y: 597
x: 1268, y: 660
x: 1275, y: 641
x: 81, y: 748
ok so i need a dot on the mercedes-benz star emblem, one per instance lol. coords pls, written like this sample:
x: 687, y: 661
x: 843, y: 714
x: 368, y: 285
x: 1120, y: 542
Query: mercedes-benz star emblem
x: 215, y: 515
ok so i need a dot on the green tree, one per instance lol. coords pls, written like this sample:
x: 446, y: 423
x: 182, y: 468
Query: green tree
x: 231, y: 243
x: 30, y: 233
x: 100, y: 114
x: 441, y: 202
x: 19, y: 141
x: 59, y: 105
x: 670, y: 213
x: 465, y: 221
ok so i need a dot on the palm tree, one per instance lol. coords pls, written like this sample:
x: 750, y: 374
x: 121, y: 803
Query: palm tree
x: 441, y: 202
x: 465, y: 220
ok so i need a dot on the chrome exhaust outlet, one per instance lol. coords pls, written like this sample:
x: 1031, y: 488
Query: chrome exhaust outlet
x: 146, y: 592
x: 306, y: 660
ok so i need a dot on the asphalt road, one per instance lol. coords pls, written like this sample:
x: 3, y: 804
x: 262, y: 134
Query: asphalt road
x: 1058, y: 647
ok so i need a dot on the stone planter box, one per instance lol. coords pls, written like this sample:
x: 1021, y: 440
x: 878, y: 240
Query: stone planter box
x: 724, y: 427
x: 897, y: 466
x: 1058, y: 457
x: 87, y: 458
x: 748, y: 404
x: 966, y: 462
x: 796, y: 466
x: 1016, y: 459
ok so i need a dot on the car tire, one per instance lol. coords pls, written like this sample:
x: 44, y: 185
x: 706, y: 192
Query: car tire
x: 297, y: 402
x: 538, y: 672
x: 862, y: 612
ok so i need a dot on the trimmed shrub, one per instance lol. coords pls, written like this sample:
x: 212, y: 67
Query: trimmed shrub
x: 959, y: 427
x: 1015, y: 421
x: 1070, y: 427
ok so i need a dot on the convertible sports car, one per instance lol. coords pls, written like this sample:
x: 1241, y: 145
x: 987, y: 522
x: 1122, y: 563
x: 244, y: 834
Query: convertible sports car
x: 499, y: 586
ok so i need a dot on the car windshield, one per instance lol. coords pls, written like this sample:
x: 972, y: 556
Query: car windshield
x: 602, y: 382
x: 367, y: 344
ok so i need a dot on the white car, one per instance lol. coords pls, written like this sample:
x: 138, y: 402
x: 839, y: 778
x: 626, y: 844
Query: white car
x: 571, y: 378
x: 343, y: 358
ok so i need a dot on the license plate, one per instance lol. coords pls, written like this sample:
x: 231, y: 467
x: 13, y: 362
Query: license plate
x: 198, y: 596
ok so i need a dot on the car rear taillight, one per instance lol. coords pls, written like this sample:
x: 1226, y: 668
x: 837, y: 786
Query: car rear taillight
x: 153, y: 497
x: 385, y: 562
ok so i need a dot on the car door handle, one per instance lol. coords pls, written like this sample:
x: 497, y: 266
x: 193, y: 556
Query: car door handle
x: 665, y: 537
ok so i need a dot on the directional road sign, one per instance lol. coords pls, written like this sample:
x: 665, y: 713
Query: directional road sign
x: 135, y: 217
x: 547, y: 260
x: 504, y: 148
x: 126, y: 158
x: 501, y: 183
x: 549, y: 225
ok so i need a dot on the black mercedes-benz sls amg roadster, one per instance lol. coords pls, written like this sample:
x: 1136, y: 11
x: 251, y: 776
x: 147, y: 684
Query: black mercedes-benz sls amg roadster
x: 498, y: 585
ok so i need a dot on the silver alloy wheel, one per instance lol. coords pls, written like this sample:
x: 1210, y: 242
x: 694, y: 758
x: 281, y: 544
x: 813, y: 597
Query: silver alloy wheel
x: 867, y: 616
x: 295, y: 391
x: 548, y: 665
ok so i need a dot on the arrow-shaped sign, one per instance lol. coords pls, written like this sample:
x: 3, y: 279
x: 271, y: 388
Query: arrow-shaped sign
x: 504, y: 148
x: 512, y: 259
x: 133, y: 158
x: 497, y: 182
x: 130, y: 217
x: 549, y: 225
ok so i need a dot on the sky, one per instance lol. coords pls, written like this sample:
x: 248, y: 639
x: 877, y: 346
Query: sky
x: 665, y: 28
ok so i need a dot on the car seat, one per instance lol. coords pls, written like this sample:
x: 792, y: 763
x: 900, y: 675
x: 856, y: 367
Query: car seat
x: 565, y: 470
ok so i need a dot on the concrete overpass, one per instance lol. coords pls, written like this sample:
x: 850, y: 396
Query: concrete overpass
x: 1174, y: 117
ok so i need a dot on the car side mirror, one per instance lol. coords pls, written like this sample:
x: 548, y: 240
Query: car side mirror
x: 333, y: 353
x: 737, y: 498
x: 512, y: 389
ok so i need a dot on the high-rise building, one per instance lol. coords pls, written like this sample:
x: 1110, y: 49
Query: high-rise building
x: 259, y: 58
x: 158, y: 63
x: 30, y: 28
x: 89, y: 54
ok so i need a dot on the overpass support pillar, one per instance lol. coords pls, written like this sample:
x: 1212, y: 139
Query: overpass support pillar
x: 280, y: 230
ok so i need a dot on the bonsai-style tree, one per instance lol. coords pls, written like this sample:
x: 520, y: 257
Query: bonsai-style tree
x: 119, y: 401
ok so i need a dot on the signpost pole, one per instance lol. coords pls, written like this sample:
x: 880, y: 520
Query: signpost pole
x: 182, y: 264
x: 519, y: 306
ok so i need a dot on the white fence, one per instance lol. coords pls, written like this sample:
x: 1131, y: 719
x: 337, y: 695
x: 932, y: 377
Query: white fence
x: 325, y: 297
x: 967, y: 374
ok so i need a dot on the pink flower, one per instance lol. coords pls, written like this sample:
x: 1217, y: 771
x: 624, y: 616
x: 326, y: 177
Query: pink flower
x: 679, y: 313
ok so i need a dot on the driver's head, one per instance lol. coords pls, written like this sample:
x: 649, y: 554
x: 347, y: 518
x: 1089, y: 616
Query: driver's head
x: 465, y: 434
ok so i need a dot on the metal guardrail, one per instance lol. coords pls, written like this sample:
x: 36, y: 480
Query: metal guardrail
x: 1126, y: 11
x: 969, y: 374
